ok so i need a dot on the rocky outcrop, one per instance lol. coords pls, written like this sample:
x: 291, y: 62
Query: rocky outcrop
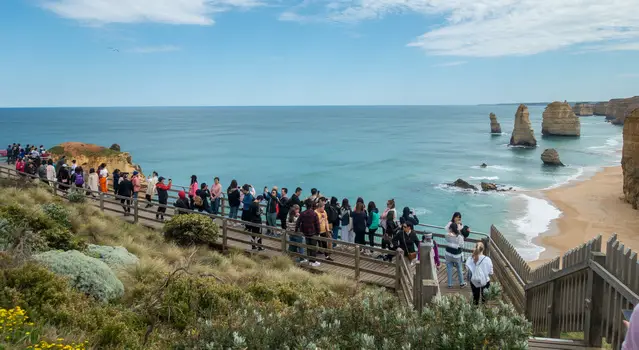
x: 600, y: 108
x: 617, y: 108
x: 91, y: 156
x: 115, y: 147
x: 489, y: 186
x: 551, y: 157
x: 560, y: 120
x: 630, y: 159
x: 483, y: 165
x: 523, y: 134
x: 631, y: 108
x: 463, y: 185
x: 495, y: 128
x: 583, y: 109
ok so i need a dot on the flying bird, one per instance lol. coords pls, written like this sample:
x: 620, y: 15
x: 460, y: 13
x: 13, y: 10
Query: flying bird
x: 114, y: 49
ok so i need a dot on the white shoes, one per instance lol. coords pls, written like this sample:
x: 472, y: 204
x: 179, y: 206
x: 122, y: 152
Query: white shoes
x: 315, y: 264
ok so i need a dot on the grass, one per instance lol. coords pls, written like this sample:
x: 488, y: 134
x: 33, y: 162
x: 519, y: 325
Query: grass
x: 105, y: 152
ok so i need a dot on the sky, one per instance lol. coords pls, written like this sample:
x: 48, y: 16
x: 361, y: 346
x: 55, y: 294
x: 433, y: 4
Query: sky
x: 311, y: 52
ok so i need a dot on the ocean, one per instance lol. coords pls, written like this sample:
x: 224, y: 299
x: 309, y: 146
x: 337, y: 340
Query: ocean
x: 403, y: 152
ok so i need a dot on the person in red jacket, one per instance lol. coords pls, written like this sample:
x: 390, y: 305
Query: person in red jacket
x: 163, y: 197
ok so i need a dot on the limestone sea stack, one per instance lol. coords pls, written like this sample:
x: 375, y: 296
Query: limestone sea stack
x: 616, y: 109
x: 550, y: 156
x: 523, y: 134
x: 91, y: 156
x: 600, y: 108
x: 583, y: 109
x: 631, y: 108
x: 630, y: 159
x: 495, y: 128
x: 560, y: 120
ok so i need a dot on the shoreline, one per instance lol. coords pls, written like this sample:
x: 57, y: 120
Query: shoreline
x: 588, y: 208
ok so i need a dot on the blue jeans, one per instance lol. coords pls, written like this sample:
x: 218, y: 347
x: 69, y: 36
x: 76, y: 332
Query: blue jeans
x: 135, y: 195
x: 336, y: 230
x: 296, y: 249
x: 271, y: 219
x: 233, y: 212
x: 216, y: 206
x: 449, y: 270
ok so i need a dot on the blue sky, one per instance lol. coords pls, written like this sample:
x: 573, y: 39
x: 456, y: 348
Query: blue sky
x: 310, y: 52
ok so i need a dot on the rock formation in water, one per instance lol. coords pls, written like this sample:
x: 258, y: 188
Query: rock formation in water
x: 483, y: 165
x: 489, y: 186
x: 600, y: 108
x: 560, y: 120
x: 462, y: 184
x: 551, y: 157
x: 616, y: 110
x: 523, y: 134
x: 583, y: 109
x: 495, y: 128
x: 91, y: 156
x: 630, y: 159
x: 631, y: 108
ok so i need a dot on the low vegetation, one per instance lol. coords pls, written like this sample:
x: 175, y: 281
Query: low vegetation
x: 179, y: 294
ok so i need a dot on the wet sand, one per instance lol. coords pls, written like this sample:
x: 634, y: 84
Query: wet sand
x: 589, y: 208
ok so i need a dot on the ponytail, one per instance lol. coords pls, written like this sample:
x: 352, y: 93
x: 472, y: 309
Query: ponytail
x: 479, y: 249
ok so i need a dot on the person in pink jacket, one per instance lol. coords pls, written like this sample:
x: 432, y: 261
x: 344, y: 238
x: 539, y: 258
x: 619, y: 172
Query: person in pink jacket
x: 192, y: 190
x: 137, y: 184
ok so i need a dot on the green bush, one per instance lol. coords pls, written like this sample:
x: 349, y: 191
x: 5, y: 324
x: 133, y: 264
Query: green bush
x: 115, y: 257
x: 34, y: 220
x: 76, y: 196
x: 59, y: 238
x: 85, y: 273
x: 57, y: 213
x: 191, y: 229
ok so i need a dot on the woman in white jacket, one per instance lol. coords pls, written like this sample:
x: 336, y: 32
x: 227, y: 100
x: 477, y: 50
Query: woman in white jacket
x: 150, y: 189
x: 480, y: 268
x: 93, y: 182
x: 50, y: 172
x: 454, y: 245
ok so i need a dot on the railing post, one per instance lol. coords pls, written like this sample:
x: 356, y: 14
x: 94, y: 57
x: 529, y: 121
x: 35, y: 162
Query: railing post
x: 101, y: 201
x: 283, y: 242
x: 224, y: 233
x: 222, y: 200
x: 357, y: 263
x: 135, y: 211
x: 398, y: 273
x: 554, y: 309
x: 593, y: 332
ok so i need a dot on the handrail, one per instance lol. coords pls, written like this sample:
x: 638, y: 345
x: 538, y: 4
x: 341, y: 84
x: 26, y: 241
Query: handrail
x: 495, y: 248
x: 557, y: 275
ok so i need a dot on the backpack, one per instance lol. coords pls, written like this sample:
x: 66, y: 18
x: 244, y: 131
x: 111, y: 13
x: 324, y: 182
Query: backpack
x: 332, y: 213
x: 79, y: 179
x: 374, y: 221
x: 197, y: 201
x: 479, y: 278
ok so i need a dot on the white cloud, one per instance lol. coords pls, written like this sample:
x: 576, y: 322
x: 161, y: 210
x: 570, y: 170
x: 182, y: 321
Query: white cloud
x: 629, y: 75
x: 195, y: 12
x: 154, y: 49
x: 450, y: 64
x: 488, y: 28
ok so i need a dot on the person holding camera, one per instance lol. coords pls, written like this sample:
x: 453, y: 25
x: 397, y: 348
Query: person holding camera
x: 163, y: 197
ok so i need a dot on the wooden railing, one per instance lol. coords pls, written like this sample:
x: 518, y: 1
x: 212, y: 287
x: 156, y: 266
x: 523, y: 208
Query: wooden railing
x: 509, y: 267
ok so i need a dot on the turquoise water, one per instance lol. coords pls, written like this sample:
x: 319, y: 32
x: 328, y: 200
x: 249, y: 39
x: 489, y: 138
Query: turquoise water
x: 378, y: 153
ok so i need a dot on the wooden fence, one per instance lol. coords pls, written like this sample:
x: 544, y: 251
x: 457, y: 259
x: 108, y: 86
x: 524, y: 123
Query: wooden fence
x: 509, y: 267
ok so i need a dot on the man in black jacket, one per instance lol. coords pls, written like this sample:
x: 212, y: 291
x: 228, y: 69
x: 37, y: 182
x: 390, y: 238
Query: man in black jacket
x: 126, y: 191
x: 308, y: 224
x: 295, y: 199
x: 284, y: 207
x: 254, y: 215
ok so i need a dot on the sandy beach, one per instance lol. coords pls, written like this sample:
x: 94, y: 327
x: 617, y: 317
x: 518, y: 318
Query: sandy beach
x: 589, y: 208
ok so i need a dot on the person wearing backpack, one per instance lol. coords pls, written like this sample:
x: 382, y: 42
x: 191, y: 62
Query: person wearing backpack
x: 345, y: 217
x: 332, y: 209
x: 204, y: 194
x: 372, y: 223
x: 78, y: 180
x: 480, y: 268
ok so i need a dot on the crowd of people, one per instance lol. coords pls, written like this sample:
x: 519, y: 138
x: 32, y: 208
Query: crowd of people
x: 312, y: 218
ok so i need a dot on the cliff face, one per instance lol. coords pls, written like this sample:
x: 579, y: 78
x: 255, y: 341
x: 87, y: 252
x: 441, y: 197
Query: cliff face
x: 631, y: 107
x: 630, y: 159
x: 91, y: 156
x: 559, y: 119
x: 523, y: 134
x: 583, y: 109
x: 616, y: 110
x: 600, y: 108
x: 495, y: 127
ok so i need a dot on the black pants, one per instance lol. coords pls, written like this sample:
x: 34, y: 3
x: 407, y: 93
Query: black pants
x: 360, y: 237
x: 192, y: 202
x: 387, y: 244
x: 283, y: 223
x: 161, y: 209
x: 255, y: 239
x: 312, y: 253
x: 127, y: 208
x: 477, y: 292
x: 324, y: 244
x: 371, y: 236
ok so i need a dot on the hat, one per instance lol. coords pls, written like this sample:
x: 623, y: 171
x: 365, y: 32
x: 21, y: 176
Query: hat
x: 159, y: 179
x: 182, y: 194
x: 135, y: 173
x: 427, y: 235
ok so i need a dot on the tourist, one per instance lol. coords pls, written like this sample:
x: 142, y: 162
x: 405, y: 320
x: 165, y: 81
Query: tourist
x: 78, y: 179
x: 373, y: 223
x: 116, y: 181
x: 284, y: 208
x: 272, y: 208
x: 324, y: 226
x: 295, y: 198
x: 103, y: 175
x: 247, y: 200
x: 409, y: 215
x: 204, y: 195
x: 308, y: 224
x: 64, y: 178
x: 345, y: 216
x: 392, y: 228
x: 93, y: 182
x: 9, y: 153
x: 254, y: 215
x: 632, y: 333
x: 359, y: 223
x: 216, y: 196
x: 21, y: 154
x: 125, y: 191
x: 137, y: 184
x: 480, y: 268
x: 181, y: 204
x: 333, y: 212
x: 455, y: 242
x: 163, y: 197
x: 42, y: 171
x: 51, y: 173
x: 193, y: 188
x: 294, y: 237
x: 313, y: 197
x: 390, y: 207
x: 73, y: 165
x: 20, y: 166
x: 42, y: 150
x: 58, y: 165
x: 233, y: 195
x: 406, y: 241
x: 16, y: 152
x: 150, y: 189
x: 427, y: 237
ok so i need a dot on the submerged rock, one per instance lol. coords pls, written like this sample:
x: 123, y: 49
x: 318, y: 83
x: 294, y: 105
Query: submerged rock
x: 550, y: 156
x: 523, y: 134
x: 630, y: 159
x: 462, y: 184
x: 495, y: 127
x: 560, y: 120
x: 483, y: 165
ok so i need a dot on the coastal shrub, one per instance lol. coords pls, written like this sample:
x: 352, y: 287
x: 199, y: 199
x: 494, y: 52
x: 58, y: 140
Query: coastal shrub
x: 76, y: 196
x: 59, y: 238
x: 33, y: 219
x: 191, y: 229
x: 85, y: 273
x: 115, y: 257
x: 57, y: 213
